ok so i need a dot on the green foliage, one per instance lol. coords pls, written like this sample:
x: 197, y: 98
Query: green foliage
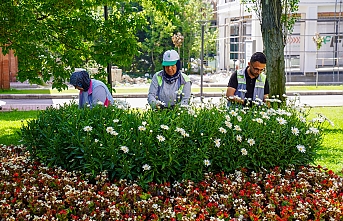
x: 182, y: 16
x: 172, y: 144
x: 288, y: 18
x: 51, y: 37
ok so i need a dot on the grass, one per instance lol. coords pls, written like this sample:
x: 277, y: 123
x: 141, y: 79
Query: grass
x: 314, y: 88
x: 10, y: 124
x: 195, y: 89
x: 330, y: 156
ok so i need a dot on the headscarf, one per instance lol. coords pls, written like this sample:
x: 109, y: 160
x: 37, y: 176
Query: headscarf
x: 171, y: 79
x: 80, y: 79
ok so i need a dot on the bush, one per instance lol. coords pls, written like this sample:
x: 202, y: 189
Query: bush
x: 172, y: 144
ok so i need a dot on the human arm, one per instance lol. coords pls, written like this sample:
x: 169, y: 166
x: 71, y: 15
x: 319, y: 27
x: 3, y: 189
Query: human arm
x: 266, y: 91
x: 153, y: 89
x: 186, y: 93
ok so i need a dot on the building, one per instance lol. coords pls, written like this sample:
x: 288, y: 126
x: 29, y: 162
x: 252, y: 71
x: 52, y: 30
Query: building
x: 8, y: 69
x: 240, y: 35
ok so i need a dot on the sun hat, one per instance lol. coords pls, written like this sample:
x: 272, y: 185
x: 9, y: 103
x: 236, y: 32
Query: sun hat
x: 170, y: 58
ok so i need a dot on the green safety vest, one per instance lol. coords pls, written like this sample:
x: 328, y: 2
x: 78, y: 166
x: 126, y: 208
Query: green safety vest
x: 160, y: 81
x: 259, y: 85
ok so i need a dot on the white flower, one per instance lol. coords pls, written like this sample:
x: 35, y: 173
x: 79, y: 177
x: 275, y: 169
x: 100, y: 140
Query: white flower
x: 238, y: 128
x: 239, y: 138
x: 251, y: 142
x: 88, y: 128
x: 239, y: 118
x: 258, y: 120
x: 184, y: 134
x: 99, y: 103
x: 191, y: 112
x: 227, y: 117
x: 125, y: 149
x: 146, y: 167
x: 114, y: 133
x: 295, y: 131
x: 228, y: 124
x: 141, y: 128
x: 115, y: 121
x: 207, y: 163
x: 281, y: 120
x: 165, y: 127
x: 96, y: 140
x: 180, y: 130
x: 302, y: 119
x: 233, y: 113
x: 144, y: 123
x: 244, y: 151
x: 217, y: 142
x: 314, y: 130
x: 160, y: 138
x: 301, y: 148
x: 222, y: 130
x: 109, y: 130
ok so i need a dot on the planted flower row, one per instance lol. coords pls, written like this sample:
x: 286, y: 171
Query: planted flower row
x: 32, y: 191
x: 173, y: 144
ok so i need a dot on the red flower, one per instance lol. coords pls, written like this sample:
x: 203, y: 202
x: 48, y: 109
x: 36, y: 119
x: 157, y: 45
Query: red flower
x: 62, y: 212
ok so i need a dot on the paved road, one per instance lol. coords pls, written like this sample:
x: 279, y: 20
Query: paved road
x: 42, y: 104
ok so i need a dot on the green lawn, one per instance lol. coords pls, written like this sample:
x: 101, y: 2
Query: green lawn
x: 144, y: 89
x: 330, y: 156
x: 10, y: 123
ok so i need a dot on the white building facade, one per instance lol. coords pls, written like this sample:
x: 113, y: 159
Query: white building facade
x: 240, y: 35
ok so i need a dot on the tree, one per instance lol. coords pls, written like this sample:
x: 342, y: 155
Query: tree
x: 52, y: 37
x: 277, y: 20
x: 183, y: 17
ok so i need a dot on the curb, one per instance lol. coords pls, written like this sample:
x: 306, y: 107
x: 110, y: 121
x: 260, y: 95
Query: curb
x: 140, y: 95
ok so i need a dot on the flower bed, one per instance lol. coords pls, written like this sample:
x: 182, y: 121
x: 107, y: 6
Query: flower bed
x: 173, y: 144
x: 31, y: 191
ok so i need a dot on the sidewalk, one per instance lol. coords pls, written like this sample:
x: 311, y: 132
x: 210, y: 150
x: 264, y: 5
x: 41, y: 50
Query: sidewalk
x: 42, y: 101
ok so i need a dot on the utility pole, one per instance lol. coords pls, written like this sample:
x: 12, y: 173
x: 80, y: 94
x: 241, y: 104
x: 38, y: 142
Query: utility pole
x: 202, y: 60
x: 109, y: 74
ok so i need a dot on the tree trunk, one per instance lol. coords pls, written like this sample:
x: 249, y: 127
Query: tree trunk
x: 272, y: 35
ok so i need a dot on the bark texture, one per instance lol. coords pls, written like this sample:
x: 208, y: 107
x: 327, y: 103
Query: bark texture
x: 272, y: 35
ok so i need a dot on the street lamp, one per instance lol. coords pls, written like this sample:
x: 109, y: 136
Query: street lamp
x: 202, y: 23
x: 234, y: 64
x: 109, y: 74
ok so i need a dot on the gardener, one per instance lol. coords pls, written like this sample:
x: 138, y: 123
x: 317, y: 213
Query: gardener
x: 91, y: 91
x: 169, y: 86
x: 249, y: 84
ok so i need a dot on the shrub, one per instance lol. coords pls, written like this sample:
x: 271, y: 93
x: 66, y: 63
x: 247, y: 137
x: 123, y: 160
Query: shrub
x: 165, y: 145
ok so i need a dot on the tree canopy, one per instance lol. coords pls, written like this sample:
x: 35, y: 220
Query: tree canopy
x: 53, y: 37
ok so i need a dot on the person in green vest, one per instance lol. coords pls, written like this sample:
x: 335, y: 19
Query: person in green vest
x: 169, y: 86
x: 249, y: 85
